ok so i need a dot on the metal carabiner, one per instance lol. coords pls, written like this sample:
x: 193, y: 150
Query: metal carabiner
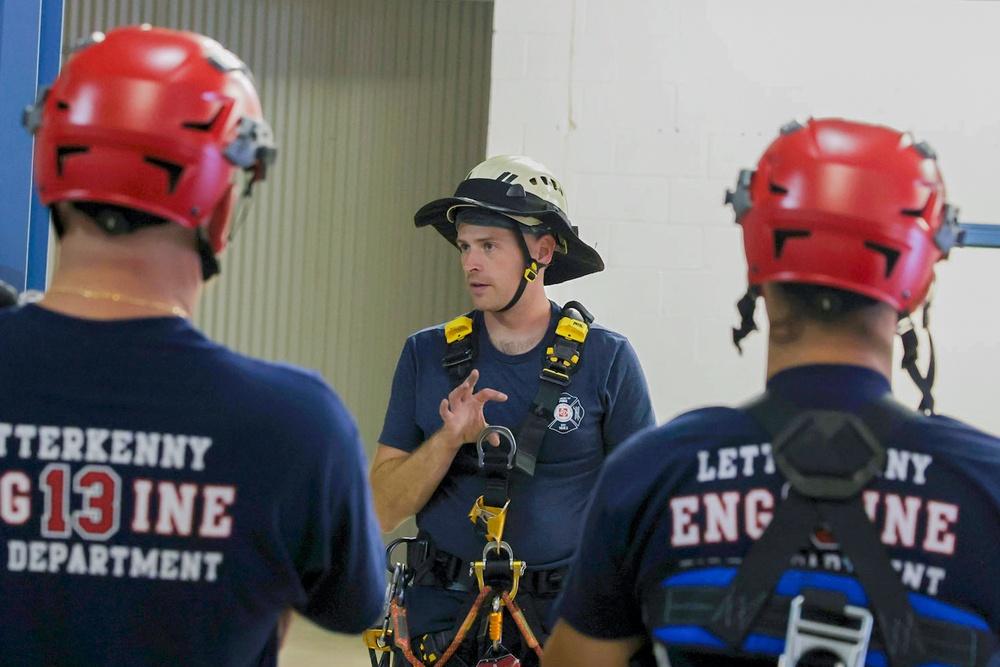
x: 389, y: 564
x: 503, y: 432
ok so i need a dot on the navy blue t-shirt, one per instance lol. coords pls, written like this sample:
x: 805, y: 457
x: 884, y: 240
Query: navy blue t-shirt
x: 695, y: 494
x: 163, y: 499
x: 606, y: 402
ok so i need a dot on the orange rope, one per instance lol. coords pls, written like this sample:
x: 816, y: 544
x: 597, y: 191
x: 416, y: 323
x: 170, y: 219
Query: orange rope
x: 466, y: 625
x: 522, y: 623
x: 402, y: 633
x: 402, y: 637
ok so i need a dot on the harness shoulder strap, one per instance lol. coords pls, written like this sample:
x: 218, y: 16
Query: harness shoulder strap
x: 562, y: 357
x: 828, y: 457
x: 461, y: 351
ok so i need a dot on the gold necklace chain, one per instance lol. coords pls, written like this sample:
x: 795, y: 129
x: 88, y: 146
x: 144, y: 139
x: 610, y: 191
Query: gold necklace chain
x: 115, y: 297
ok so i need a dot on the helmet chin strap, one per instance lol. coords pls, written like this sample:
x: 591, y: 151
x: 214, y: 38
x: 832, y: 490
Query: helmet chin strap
x: 209, y: 262
x: 746, y: 307
x: 531, y: 269
x: 924, y: 382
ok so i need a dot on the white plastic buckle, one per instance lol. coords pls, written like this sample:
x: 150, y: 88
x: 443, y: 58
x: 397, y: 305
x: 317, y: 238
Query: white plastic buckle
x: 846, y: 640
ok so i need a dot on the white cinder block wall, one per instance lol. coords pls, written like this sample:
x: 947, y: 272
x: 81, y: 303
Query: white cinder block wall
x: 647, y: 109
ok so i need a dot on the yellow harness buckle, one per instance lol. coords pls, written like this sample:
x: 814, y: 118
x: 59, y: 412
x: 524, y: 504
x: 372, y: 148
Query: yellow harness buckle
x: 572, y: 329
x: 564, y: 353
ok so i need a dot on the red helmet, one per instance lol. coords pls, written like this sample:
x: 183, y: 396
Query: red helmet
x: 847, y: 205
x: 155, y: 120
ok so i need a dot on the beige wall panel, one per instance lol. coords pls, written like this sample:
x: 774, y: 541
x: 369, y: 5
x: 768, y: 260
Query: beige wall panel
x: 378, y: 106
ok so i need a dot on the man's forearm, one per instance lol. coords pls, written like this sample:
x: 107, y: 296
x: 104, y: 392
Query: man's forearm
x: 402, y: 485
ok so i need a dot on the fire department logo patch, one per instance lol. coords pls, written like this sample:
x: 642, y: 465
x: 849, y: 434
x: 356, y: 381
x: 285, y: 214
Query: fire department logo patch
x: 567, y: 415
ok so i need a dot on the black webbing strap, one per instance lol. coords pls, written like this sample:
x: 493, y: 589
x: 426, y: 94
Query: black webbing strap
x: 536, y: 422
x: 822, y: 453
x: 496, y: 475
x: 495, y: 464
x: 561, y: 360
x: 432, y: 566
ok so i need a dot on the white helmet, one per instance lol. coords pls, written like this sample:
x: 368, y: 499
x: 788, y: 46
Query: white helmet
x: 526, y: 193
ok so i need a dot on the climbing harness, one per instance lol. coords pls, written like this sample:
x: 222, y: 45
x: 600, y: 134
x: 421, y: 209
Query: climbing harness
x: 829, y: 458
x: 498, y: 576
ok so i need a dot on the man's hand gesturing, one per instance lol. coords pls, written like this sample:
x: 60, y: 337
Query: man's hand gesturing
x: 462, y: 411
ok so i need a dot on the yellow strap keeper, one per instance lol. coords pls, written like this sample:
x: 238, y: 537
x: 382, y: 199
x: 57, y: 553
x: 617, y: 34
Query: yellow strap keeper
x: 572, y: 329
x: 457, y: 329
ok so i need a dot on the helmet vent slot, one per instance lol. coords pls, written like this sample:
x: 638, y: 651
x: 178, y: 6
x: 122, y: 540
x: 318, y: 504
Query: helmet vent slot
x: 777, y: 189
x: 204, y: 126
x: 551, y: 182
x: 782, y: 235
x: 63, y: 152
x: 62, y: 106
x: 173, y: 170
x: 891, y: 255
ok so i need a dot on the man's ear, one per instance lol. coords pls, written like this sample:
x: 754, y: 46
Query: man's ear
x: 546, y: 249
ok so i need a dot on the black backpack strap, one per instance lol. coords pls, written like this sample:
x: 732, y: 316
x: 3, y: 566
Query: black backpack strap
x: 828, y: 458
x: 561, y: 360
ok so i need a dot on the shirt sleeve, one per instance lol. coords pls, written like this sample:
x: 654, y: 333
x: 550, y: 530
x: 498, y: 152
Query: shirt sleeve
x: 339, y: 560
x: 399, y: 429
x: 598, y: 599
x: 629, y: 408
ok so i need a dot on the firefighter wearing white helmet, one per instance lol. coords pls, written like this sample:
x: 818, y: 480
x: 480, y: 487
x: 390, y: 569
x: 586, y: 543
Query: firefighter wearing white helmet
x: 568, y: 390
x: 522, y: 195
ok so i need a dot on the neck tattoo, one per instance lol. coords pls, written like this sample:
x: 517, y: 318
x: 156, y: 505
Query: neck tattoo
x: 115, y: 297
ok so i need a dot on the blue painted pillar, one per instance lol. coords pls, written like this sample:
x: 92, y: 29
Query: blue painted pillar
x: 30, y: 48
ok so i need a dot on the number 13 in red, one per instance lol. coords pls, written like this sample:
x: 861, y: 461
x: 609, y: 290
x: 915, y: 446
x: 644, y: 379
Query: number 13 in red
x: 99, y: 488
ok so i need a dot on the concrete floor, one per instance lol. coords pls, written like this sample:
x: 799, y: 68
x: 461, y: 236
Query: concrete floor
x: 307, y: 645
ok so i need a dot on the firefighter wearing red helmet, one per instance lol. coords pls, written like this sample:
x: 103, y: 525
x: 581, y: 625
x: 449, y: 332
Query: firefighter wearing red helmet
x: 565, y: 390
x: 820, y: 523
x: 139, y: 526
x: 155, y: 126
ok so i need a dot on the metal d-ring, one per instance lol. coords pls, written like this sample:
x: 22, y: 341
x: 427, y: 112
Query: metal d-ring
x: 503, y: 432
x: 503, y: 546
